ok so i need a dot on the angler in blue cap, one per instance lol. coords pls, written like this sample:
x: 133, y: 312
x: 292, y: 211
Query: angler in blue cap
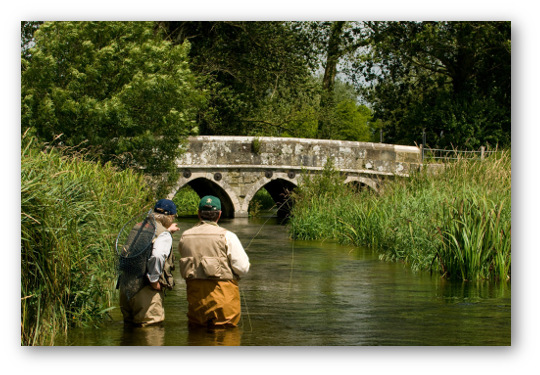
x: 146, y: 305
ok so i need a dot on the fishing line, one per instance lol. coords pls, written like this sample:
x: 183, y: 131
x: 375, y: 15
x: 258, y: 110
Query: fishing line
x: 248, y: 245
x: 247, y: 314
x: 271, y: 217
x: 292, y: 268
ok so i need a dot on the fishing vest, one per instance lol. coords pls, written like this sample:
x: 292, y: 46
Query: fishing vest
x: 166, y: 278
x: 203, y: 253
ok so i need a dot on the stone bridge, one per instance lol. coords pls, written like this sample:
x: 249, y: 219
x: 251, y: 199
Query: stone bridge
x: 234, y: 168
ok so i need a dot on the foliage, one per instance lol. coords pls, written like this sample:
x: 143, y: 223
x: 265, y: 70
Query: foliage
x: 456, y: 221
x: 115, y: 87
x: 450, y: 78
x: 247, y: 68
x: 476, y: 239
x: 71, y: 212
x: 311, y: 216
x: 337, y: 41
x: 261, y: 201
x: 186, y: 201
x: 27, y: 35
x: 128, y: 88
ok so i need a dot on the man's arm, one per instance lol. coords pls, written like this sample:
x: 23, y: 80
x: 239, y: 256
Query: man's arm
x: 156, y: 262
x: 237, y: 255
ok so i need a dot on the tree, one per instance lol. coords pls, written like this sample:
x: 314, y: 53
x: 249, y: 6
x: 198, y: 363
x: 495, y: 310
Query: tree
x: 337, y: 42
x: 27, y: 36
x: 450, y: 78
x: 116, y: 87
x: 258, y: 74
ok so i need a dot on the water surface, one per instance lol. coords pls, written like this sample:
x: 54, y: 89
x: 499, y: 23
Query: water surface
x: 302, y: 293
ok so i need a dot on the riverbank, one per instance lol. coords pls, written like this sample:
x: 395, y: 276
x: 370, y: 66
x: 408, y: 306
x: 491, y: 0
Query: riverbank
x: 71, y: 209
x: 456, y: 222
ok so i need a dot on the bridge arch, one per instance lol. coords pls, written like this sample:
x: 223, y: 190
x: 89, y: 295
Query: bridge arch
x: 362, y: 181
x: 206, y: 184
x: 278, y: 186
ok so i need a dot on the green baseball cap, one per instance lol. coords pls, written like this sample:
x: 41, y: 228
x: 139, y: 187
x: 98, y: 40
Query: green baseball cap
x: 210, y: 203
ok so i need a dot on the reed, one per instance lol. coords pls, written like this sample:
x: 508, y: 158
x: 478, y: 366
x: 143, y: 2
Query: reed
x: 71, y: 211
x: 456, y: 221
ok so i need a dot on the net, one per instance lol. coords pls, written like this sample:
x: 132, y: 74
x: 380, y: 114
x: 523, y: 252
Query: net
x: 133, y: 247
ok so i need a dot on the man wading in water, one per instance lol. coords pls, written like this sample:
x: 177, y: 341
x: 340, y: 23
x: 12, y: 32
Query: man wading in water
x: 146, y: 306
x: 212, y: 260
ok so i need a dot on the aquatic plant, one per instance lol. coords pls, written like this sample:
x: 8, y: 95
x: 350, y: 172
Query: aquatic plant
x: 71, y: 211
x: 456, y: 221
x: 476, y: 240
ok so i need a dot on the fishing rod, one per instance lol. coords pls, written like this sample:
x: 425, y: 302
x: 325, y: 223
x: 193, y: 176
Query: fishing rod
x: 271, y: 217
x: 249, y: 244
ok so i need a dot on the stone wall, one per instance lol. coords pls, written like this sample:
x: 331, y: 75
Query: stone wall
x: 235, y: 168
x: 298, y: 153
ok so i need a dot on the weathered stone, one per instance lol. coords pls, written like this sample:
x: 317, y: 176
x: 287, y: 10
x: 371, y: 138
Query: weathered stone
x: 235, y: 168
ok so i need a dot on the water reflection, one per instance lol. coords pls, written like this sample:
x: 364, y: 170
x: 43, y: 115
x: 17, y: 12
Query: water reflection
x: 152, y: 335
x: 201, y: 336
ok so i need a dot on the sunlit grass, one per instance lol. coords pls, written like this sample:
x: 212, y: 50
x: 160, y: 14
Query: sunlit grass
x: 456, y: 221
x: 71, y: 211
x: 186, y: 201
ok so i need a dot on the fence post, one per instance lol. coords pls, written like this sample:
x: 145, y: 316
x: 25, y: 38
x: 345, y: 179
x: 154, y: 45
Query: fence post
x: 423, y: 145
x: 482, y: 151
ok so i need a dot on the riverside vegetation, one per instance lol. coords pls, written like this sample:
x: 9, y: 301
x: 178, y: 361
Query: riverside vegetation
x: 456, y: 221
x: 71, y: 209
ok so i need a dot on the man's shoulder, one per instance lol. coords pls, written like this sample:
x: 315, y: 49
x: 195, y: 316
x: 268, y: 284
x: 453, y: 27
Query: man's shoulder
x: 204, y: 227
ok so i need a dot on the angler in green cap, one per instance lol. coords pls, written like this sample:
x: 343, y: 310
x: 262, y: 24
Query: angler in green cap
x: 212, y: 260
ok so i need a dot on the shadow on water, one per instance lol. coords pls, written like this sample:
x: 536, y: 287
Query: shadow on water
x: 322, y: 293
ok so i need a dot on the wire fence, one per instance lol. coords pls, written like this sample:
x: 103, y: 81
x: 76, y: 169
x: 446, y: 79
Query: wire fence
x: 448, y: 155
x: 452, y: 154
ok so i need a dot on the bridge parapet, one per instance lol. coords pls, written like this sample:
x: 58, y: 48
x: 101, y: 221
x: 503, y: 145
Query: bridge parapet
x: 234, y: 168
x: 298, y: 153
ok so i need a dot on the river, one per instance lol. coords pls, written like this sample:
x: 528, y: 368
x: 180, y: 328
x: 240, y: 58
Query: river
x: 306, y: 293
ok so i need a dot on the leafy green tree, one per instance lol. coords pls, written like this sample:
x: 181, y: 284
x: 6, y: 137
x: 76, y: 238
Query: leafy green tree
x: 257, y: 74
x: 337, y: 43
x: 27, y: 36
x: 450, y: 78
x: 346, y: 118
x: 116, y: 87
x: 352, y: 122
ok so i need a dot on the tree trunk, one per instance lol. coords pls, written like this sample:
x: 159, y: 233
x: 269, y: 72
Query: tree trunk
x: 332, y: 58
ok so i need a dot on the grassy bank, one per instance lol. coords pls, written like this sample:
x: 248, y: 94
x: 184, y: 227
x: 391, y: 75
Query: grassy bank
x: 71, y: 211
x: 456, y: 222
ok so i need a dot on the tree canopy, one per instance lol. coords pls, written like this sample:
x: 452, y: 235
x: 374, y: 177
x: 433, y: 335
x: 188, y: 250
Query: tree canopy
x: 135, y: 90
x: 257, y: 73
x: 117, y: 87
x: 451, y: 79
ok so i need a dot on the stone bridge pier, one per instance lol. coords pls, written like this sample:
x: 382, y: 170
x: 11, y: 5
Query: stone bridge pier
x: 235, y: 168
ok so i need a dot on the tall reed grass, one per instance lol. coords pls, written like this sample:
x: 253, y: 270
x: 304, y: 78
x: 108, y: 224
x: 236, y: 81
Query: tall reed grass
x: 456, y: 221
x: 71, y: 211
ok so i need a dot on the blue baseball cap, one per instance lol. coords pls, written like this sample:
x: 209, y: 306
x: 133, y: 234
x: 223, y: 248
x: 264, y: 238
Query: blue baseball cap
x: 165, y: 207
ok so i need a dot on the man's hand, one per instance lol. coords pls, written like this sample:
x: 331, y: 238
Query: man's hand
x: 156, y: 285
x: 173, y: 228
